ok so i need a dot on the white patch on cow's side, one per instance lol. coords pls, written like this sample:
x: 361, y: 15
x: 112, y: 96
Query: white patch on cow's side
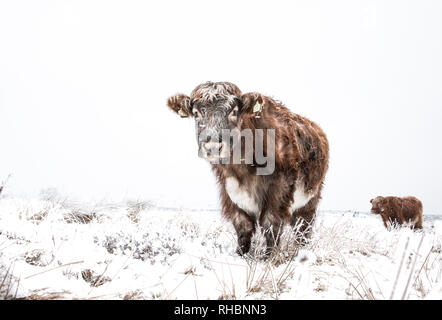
x: 300, y: 197
x: 241, y: 197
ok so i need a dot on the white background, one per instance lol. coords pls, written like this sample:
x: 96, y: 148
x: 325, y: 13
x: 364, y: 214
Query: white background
x: 83, y: 86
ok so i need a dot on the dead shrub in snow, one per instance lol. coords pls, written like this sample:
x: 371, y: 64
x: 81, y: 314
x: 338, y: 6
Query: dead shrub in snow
x: 38, y: 257
x: 78, y: 216
x: 134, y: 295
x: 146, y: 246
x: 94, y: 279
x: 134, y: 208
x: 39, y: 216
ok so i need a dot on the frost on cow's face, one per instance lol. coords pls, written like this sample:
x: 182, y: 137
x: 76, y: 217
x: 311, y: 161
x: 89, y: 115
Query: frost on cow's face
x: 215, y: 107
x: 215, y: 121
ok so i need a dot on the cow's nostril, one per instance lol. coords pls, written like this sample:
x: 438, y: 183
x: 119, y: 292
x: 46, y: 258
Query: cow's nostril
x: 213, y: 148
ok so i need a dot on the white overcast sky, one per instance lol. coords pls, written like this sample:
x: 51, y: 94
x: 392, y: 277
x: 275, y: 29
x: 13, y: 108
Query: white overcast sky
x: 83, y: 86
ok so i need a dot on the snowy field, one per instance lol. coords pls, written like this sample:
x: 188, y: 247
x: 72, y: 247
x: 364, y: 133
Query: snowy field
x: 55, y: 249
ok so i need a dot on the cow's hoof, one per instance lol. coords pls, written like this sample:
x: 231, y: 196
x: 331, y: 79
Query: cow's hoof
x: 242, y: 250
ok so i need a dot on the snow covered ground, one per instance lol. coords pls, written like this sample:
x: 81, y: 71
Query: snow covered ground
x: 55, y: 249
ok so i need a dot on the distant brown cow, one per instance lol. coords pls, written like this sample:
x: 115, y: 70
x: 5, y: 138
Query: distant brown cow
x: 290, y: 190
x: 398, y: 210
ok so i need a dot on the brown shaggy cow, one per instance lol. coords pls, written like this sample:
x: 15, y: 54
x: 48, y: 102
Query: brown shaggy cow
x: 290, y: 190
x: 398, y: 210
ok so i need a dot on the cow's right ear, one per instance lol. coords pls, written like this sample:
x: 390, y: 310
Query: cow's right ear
x: 371, y: 201
x: 180, y: 104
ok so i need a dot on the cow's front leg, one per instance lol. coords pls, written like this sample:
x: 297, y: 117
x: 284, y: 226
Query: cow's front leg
x: 245, y: 228
x: 271, y: 224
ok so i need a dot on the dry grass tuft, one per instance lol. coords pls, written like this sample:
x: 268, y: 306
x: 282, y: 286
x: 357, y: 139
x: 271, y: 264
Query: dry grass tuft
x: 268, y: 272
x: 81, y: 217
x: 7, y: 284
x: 134, y: 295
x: 41, y: 294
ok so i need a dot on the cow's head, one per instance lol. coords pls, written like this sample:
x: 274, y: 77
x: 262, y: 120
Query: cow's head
x: 216, y: 108
x: 377, y: 205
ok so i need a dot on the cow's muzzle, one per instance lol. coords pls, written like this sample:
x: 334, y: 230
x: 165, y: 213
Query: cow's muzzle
x: 214, y: 151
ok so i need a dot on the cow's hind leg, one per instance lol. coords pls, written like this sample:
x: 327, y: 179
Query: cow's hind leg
x: 245, y: 228
x: 418, y: 222
x: 302, y: 220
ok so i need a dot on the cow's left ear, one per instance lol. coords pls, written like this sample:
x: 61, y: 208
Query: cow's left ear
x: 180, y: 104
x: 252, y: 102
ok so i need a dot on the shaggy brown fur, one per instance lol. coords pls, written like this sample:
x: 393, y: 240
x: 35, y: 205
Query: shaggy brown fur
x: 398, y: 210
x: 301, y: 161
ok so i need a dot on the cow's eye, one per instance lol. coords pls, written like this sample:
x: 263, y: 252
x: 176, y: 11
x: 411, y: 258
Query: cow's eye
x: 196, y: 113
x: 233, y: 115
